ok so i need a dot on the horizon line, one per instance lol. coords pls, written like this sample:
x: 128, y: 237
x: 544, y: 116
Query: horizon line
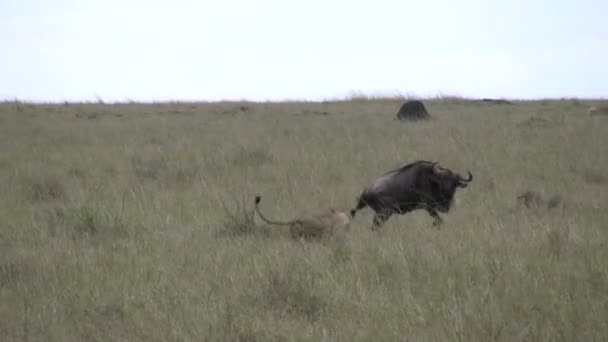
x: 352, y: 96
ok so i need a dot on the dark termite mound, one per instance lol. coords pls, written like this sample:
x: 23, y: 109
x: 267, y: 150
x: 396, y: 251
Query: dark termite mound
x: 413, y: 110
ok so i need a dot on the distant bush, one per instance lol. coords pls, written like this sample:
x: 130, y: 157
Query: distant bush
x: 599, y: 110
x: 45, y: 189
x: 86, y: 221
x: 595, y: 177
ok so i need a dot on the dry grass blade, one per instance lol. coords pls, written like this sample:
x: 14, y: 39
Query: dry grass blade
x: 239, y: 220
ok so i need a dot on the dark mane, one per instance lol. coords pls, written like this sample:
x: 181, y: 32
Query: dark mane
x: 408, y: 166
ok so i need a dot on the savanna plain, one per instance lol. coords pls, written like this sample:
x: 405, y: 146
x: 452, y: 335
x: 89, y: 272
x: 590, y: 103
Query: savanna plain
x: 134, y: 222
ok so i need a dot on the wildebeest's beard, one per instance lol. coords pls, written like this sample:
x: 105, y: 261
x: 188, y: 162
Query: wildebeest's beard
x: 445, y: 204
x: 443, y: 194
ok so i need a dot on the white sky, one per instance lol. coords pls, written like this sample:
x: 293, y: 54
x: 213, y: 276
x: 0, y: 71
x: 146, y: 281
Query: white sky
x: 57, y: 50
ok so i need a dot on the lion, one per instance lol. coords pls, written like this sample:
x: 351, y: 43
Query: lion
x: 314, y: 226
x: 536, y: 200
x: 531, y: 199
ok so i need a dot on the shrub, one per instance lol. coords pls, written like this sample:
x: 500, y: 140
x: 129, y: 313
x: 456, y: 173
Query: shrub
x: 86, y: 221
x: 45, y: 189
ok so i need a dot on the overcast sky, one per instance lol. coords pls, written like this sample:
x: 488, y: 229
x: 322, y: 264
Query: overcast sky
x: 55, y: 50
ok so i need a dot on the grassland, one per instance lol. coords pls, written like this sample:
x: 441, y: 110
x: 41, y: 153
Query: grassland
x: 130, y: 222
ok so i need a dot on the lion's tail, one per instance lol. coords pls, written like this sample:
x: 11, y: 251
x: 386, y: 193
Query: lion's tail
x: 360, y: 205
x: 257, y: 209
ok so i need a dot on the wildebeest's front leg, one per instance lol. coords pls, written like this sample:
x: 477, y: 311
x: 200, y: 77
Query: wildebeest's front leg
x: 380, y: 217
x: 437, y: 221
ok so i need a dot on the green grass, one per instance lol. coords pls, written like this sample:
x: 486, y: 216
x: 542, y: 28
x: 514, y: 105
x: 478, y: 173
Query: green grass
x: 131, y: 222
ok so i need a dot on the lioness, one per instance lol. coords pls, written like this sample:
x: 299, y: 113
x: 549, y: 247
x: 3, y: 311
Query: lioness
x: 315, y: 226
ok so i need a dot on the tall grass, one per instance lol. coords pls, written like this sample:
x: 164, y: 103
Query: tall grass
x: 114, y: 219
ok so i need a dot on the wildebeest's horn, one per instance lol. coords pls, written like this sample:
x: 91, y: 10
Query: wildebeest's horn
x: 438, y: 170
x: 435, y: 168
x: 468, y: 179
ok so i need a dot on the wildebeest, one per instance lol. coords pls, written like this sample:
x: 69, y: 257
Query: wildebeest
x: 413, y: 110
x: 331, y: 223
x: 418, y: 185
x: 496, y: 101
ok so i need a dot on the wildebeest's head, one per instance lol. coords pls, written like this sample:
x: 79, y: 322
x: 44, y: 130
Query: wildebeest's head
x: 444, y: 183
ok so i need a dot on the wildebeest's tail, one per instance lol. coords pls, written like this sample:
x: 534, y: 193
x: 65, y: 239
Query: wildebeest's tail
x: 360, y: 205
x: 280, y: 223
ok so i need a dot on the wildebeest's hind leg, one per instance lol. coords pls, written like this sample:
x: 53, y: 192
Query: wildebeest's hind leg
x: 437, y: 221
x: 380, y: 217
